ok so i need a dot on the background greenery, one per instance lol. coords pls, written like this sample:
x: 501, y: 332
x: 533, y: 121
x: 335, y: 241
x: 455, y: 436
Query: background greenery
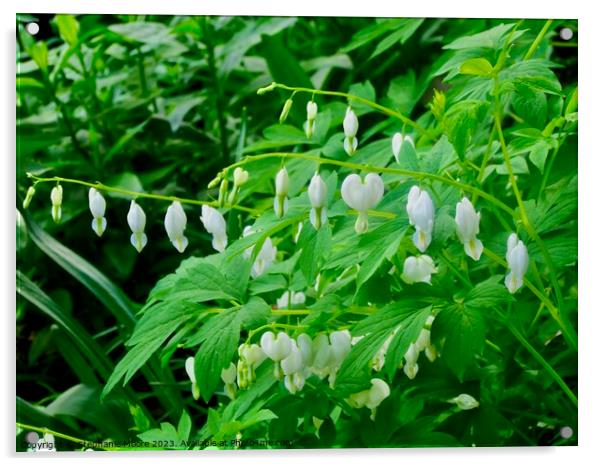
x: 161, y: 104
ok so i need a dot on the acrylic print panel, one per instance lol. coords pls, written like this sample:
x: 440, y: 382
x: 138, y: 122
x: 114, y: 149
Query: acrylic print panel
x: 281, y: 232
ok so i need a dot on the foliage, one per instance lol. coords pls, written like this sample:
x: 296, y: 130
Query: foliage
x: 162, y: 109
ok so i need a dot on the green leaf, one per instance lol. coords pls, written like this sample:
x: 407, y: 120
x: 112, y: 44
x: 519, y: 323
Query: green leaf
x: 157, y: 324
x: 216, y: 352
x: 539, y: 154
x: 477, y: 67
x: 195, y: 280
x: 411, y: 324
x: 461, y: 122
x: 353, y: 376
x: 315, y: 249
x: 491, y: 38
x: 382, y: 242
x: 39, y: 54
x: 68, y: 28
x: 463, y: 330
x: 403, y: 32
x: 487, y: 294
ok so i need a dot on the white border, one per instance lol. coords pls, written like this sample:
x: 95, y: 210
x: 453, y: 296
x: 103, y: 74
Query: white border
x: 590, y: 197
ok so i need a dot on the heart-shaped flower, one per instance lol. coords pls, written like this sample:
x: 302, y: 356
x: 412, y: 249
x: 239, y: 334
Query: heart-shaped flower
x: 362, y: 195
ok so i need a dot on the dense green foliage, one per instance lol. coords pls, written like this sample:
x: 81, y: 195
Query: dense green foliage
x: 160, y: 109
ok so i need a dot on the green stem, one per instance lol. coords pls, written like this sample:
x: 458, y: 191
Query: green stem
x: 135, y: 194
x: 538, y: 40
x: 351, y: 97
x: 370, y: 168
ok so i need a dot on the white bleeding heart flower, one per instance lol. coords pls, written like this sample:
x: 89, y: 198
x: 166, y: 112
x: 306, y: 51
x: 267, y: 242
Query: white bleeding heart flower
x: 322, y: 355
x: 418, y: 269
x: 228, y: 374
x: 421, y: 213
x: 340, y: 342
x: 517, y: 257
x: 98, y: 206
x: 265, y: 257
x: 377, y: 393
x: 275, y: 347
x: 215, y: 224
x: 294, y: 361
x: 362, y: 195
x: 372, y: 397
x: 189, y: 366
x: 305, y: 344
x: 280, y: 199
x: 465, y: 402
x: 294, y: 298
x: 410, y: 370
x: 467, y: 228
x: 350, y: 127
x: 175, y: 224
x: 251, y: 353
x: 378, y: 360
x: 397, y: 142
x: 317, y: 193
x: 310, y: 125
x: 56, y: 198
x: 137, y: 222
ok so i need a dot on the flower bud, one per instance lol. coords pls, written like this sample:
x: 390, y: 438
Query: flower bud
x: 285, y: 110
x: 317, y: 193
x: 215, y: 224
x: 421, y: 213
x: 175, y: 224
x: 56, y: 197
x: 277, y: 347
x: 137, y: 222
x: 418, y: 269
x: 98, y: 207
x: 280, y: 200
x: 312, y: 110
x: 397, y: 143
x: 189, y: 366
x: 467, y: 228
x: 28, y: 197
x: 517, y: 257
x: 350, y: 127
x: 241, y: 176
x: 465, y: 402
x: 223, y: 192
